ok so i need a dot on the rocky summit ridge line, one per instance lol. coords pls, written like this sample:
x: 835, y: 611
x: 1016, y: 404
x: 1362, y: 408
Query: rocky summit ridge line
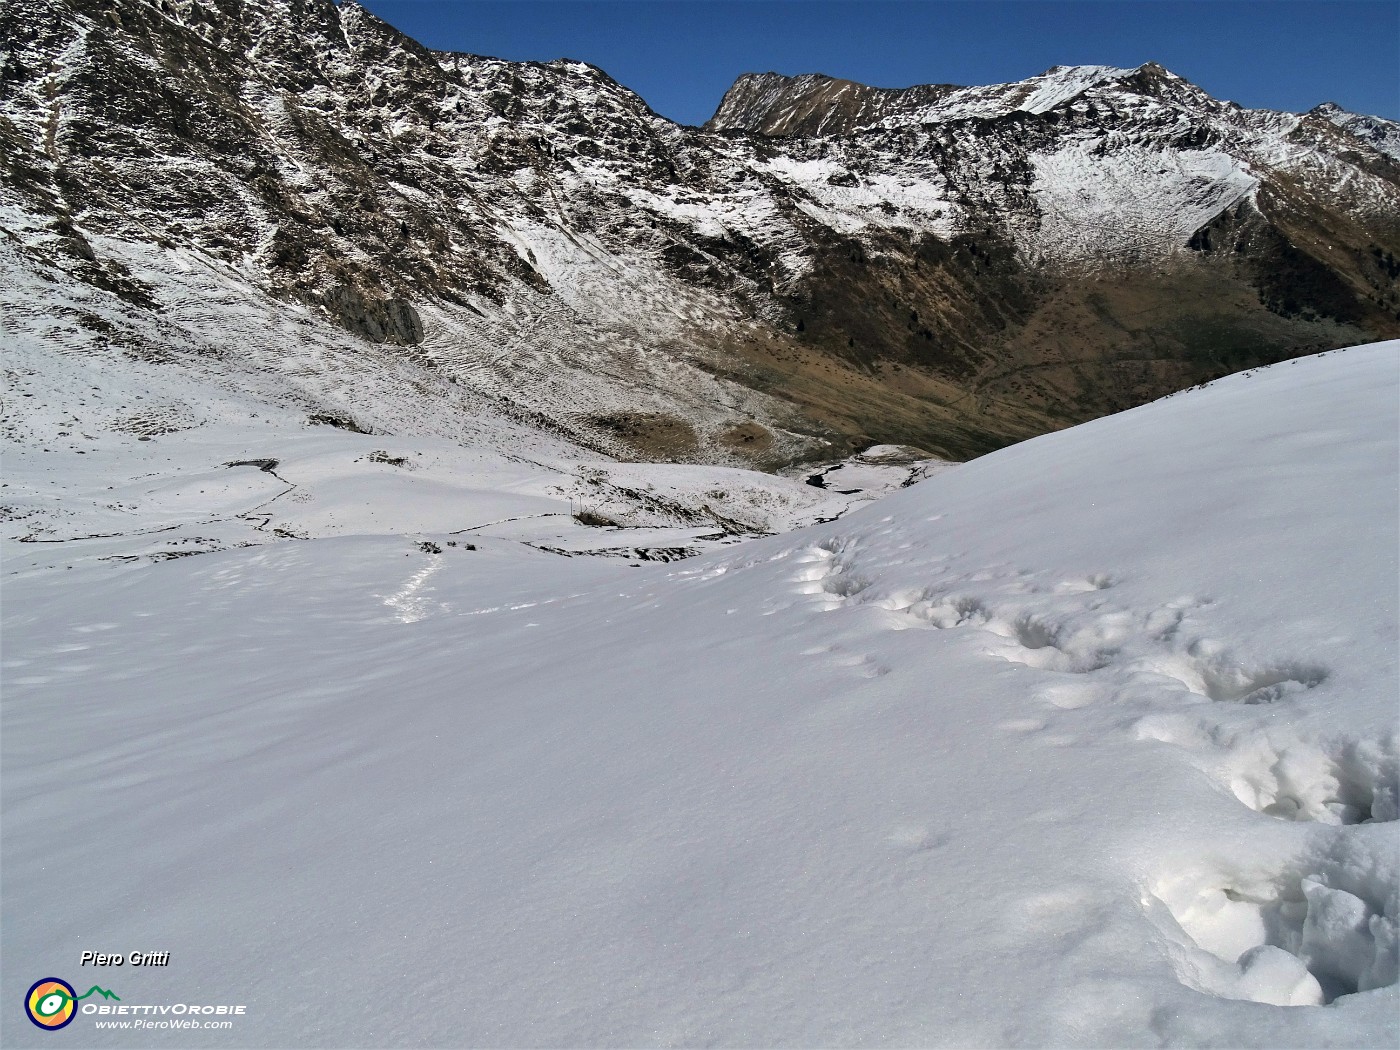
x: 291, y: 195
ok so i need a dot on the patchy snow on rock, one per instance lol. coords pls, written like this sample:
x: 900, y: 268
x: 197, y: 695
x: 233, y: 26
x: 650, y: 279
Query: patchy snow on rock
x: 1089, y: 742
x: 1099, y: 197
x: 1382, y: 134
x: 1063, y: 83
x: 332, y: 202
x: 1038, y: 94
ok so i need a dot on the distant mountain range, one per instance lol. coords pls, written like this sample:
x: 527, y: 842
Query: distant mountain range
x: 292, y: 194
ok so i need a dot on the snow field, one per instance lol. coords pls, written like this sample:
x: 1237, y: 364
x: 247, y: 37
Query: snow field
x: 1088, y: 742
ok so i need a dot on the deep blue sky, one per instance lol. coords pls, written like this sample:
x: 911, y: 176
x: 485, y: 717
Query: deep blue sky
x: 681, y: 55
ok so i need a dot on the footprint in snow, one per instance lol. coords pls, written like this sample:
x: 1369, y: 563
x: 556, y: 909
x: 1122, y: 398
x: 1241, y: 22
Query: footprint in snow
x: 1306, y: 934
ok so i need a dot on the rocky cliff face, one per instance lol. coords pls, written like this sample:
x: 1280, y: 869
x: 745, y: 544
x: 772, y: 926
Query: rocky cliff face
x: 815, y: 105
x: 211, y: 184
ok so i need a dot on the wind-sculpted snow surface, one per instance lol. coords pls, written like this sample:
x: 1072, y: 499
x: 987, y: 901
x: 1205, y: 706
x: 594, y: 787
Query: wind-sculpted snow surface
x: 1090, y: 742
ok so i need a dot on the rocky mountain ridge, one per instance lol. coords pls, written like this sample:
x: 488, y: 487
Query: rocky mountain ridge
x: 291, y: 193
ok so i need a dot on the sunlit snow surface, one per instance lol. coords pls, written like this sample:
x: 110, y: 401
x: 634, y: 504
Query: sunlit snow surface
x: 1089, y: 742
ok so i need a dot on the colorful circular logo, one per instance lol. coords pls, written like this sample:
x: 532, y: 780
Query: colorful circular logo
x: 50, y: 1003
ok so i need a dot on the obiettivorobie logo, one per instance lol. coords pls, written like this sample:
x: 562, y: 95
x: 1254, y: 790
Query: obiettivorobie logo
x: 52, y: 1004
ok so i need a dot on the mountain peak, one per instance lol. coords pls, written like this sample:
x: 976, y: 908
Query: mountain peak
x: 1380, y: 134
x: 812, y: 104
x: 817, y: 105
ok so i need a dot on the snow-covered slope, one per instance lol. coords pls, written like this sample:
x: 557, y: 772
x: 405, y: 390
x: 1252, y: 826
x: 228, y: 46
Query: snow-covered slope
x: 1089, y: 742
x: 112, y: 454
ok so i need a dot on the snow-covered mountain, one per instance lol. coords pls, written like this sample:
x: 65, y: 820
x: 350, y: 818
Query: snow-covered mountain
x: 1384, y: 135
x: 1089, y: 742
x: 289, y: 197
